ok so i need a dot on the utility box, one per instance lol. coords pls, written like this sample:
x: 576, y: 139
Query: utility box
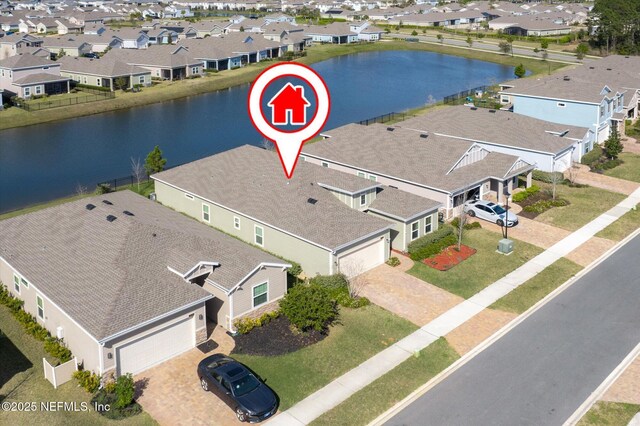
x: 505, y: 246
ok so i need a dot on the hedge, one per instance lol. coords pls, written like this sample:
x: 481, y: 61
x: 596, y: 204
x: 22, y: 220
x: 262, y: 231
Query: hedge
x: 88, y: 86
x: 547, y: 177
x: 523, y: 195
x: 434, y: 248
x: 337, y: 286
x: 428, y: 239
x: 592, y: 156
x: 467, y: 226
x: 544, y: 205
x: 309, y: 307
x: 245, y: 325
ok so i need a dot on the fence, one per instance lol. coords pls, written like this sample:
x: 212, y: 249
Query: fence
x: 55, y: 103
x: 123, y: 181
x: 385, y: 118
x: 60, y: 374
x: 451, y: 99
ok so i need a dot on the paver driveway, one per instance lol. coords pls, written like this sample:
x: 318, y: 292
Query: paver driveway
x: 173, y: 395
x: 405, y: 295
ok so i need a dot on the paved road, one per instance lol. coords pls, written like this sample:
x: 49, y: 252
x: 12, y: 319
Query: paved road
x: 490, y: 46
x: 541, y: 371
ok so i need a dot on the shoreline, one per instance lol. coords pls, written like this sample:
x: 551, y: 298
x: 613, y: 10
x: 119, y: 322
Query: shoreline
x: 169, y: 91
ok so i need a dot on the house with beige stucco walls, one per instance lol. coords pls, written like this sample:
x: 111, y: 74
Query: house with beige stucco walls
x: 26, y: 75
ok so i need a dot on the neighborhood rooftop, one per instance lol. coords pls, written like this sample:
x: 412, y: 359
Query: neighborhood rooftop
x: 112, y: 275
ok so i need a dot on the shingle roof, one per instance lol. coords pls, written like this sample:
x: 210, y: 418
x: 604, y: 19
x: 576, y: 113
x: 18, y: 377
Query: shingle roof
x: 250, y: 180
x: 109, y: 276
x: 404, y: 154
x: 107, y: 66
x: 402, y: 204
x: 40, y: 77
x: 25, y: 61
x: 498, y: 127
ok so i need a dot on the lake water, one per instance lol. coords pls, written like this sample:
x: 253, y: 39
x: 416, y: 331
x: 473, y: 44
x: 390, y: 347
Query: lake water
x: 43, y: 162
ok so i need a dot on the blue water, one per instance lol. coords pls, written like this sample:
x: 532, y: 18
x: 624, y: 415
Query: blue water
x: 47, y: 161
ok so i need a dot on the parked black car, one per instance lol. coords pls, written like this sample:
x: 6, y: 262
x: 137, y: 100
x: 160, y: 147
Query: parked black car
x: 92, y: 55
x: 239, y: 388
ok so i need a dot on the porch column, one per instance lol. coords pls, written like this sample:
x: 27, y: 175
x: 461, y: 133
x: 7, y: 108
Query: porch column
x: 529, y: 178
x: 510, y: 186
x: 171, y: 74
x: 68, y: 87
x: 500, y: 194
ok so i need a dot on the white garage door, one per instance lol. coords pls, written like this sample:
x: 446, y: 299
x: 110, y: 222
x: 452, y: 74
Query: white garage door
x: 359, y: 260
x: 159, y: 346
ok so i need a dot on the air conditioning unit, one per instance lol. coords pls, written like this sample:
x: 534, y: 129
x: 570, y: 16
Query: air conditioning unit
x: 152, y: 196
x: 60, y: 332
x: 505, y: 246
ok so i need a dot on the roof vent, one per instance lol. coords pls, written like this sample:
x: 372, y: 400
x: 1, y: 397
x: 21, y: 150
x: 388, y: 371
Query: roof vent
x: 592, y: 68
x: 311, y: 200
x: 566, y: 78
x: 608, y: 69
x: 111, y: 218
x: 492, y: 111
x: 473, y: 108
x: 107, y: 202
x: 128, y: 213
x: 390, y: 129
x: 424, y: 135
x: 90, y: 207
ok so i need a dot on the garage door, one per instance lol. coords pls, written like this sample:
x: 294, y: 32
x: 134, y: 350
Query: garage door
x: 363, y: 258
x: 159, y: 346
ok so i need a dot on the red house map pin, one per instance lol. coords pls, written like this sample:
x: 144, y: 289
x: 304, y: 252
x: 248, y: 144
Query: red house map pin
x: 289, y: 106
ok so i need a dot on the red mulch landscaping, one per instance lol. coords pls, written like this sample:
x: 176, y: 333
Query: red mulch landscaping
x: 449, y: 257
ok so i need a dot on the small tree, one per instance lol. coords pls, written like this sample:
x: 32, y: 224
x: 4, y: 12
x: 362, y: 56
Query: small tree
x: 469, y: 41
x: 154, y: 162
x: 120, y: 83
x: 520, y: 71
x: 61, y: 54
x: 544, y: 44
x: 309, y: 307
x: 125, y: 391
x: 504, y: 47
x: 582, y: 50
x: 545, y: 55
x: 414, y: 33
x: 613, y: 145
x: 137, y: 170
x: 81, y: 189
x: 440, y: 38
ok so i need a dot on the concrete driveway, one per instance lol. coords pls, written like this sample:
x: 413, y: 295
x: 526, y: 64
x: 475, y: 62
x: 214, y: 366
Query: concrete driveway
x: 405, y: 295
x: 172, y: 395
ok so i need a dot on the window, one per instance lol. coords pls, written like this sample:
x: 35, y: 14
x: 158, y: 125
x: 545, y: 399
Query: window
x: 16, y: 284
x: 205, y: 213
x: 362, y: 175
x: 325, y: 164
x: 141, y: 79
x: 427, y: 224
x: 40, y: 304
x: 415, y: 230
x: 236, y: 222
x: 561, y: 104
x: 38, y: 90
x: 260, y: 294
x: 601, y: 110
x: 99, y: 82
x: 27, y: 92
x: 258, y: 237
x: 24, y: 283
x: 303, y: 158
x: 188, y: 196
x: 84, y: 80
x: 373, y: 178
x: 363, y: 199
x: 194, y: 70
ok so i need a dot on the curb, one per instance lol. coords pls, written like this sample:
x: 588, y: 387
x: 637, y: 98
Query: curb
x: 390, y: 413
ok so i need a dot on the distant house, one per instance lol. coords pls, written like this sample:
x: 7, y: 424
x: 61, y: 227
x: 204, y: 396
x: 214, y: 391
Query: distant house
x: 67, y: 45
x: 168, y: 62
x: 10, y: 45
x: 26, y: 75
x: 105, y: 72
x: 132, y: 38
x: 335, y: 33
x: 162, y: 36
x: 529, y: 25
x: 146, y: 295
x: 66, y: 27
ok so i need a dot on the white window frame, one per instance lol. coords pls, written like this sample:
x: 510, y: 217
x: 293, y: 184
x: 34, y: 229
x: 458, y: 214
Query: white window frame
x: 27, y: 92
x: 417, y: 230
x: 253, y: 297
x: 363, y: 199
x: 24, y: 283
x: 40, y: 307
x: 324, y: 164
x: 141, y: 79
x: 236, y: 222
x: 561, y: 105
x: 373, y: 177
x: 38, y: 90
x: 188, y: 196
x: 16, y: 283
x: 428, y: 224
x: 208, y: 213
x: 361, y: 174
x: 255, y: 235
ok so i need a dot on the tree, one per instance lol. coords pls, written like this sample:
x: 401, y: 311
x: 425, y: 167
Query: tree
x: 510, y: 39
x: 137, y: 170
x: 613, y: 145
x: 520, y: 71
x: 309, y: 307
x: 545, y: 55
x: 544, y: 44
x: 469, y: 41
x: 440, y: 38
x: 120, y: 83
x: 414, y: 33
x: 154, y: 162
x: 60, y: 54
x: 582, y: 50
x: 616, y: 25
x: 504, y: 47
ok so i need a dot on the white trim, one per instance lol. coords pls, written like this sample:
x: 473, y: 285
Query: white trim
x: 16, y: 284
x: 344, y: 191
x: 253, y: 296
x: 464, y: 155
x: 189, y: 196
x: 364, y: 238
x: 54, y: 304
x: 431, y: 222
x: 409, y: 219
x: 199, y: 264
x: 24, y: 282
x: 208, y: 220
x: 363, y: 200
x: 101, y: 358
x: 324, y: 164
x: 236, y: 220
x: 255, y: 235
x: 39, y: 298
x: 546, y: 98
x: 372, y: 177
x: 417, y: 222
x: 257, y: 268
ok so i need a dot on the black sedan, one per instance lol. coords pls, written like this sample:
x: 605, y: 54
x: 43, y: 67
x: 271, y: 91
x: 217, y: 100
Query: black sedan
x: 239, y: 388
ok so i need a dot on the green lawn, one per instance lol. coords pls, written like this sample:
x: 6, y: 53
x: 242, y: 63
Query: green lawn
x: 629, y: 170
x: 609, y: 413
x: 622, y: 227
x: 586, y: 204
x: 481, y: 269
x: 362, y: 333
x: 525, y: 296
x: 22, y: 380
x: 371, y: 401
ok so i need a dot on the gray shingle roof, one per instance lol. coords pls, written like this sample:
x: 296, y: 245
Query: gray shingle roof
x: 251, y: 181
x: 107, y: 66
x: 109, y: 276
x: 402, y: 204
x: 40, y: 77
x: 25, y: 61
x: 499, y: 127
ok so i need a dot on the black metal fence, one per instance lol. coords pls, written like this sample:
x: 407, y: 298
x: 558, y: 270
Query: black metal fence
x: 122, y: 181
x: 91, y: 96
x: 452, y: 99
x: 384, y: 118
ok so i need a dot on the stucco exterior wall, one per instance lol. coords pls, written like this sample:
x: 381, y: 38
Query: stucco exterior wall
x: 314, y: 260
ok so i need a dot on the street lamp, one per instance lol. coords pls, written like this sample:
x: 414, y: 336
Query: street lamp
x: 505, y: 245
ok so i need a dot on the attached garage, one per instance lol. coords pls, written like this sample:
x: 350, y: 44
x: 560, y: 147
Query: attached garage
x: 363, y: 257
x: 156, y: 347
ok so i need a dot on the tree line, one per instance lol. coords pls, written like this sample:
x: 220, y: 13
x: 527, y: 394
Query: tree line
x: 615, y: 26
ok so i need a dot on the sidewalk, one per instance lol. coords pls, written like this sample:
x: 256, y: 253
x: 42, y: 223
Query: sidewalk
x: 349, y: 383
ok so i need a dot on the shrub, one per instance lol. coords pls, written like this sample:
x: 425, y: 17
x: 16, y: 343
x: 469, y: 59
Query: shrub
x: 295, y: 270
x: 544, y: 205
x: 428, y: 239
x: 106, y: 398
x: 393, y: 261
x: 103, y: 188
x: 56, y: 348
x: 592, y: 156
x: 309, y: 307
x: 523, y: 195
x: 124, y: 390
x: 337, y: 287
x: 547, y: 177
x: 434, y: 248
x: 245, y: 325
x: 88, y: 380
x: 471, y: 225
x: 335, y: 281
x: 344, y: 299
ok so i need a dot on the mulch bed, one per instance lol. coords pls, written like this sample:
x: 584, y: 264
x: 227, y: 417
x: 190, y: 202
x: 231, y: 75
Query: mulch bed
x: 532, y: 199
x: 275, y: 338
x: 449, y: 257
